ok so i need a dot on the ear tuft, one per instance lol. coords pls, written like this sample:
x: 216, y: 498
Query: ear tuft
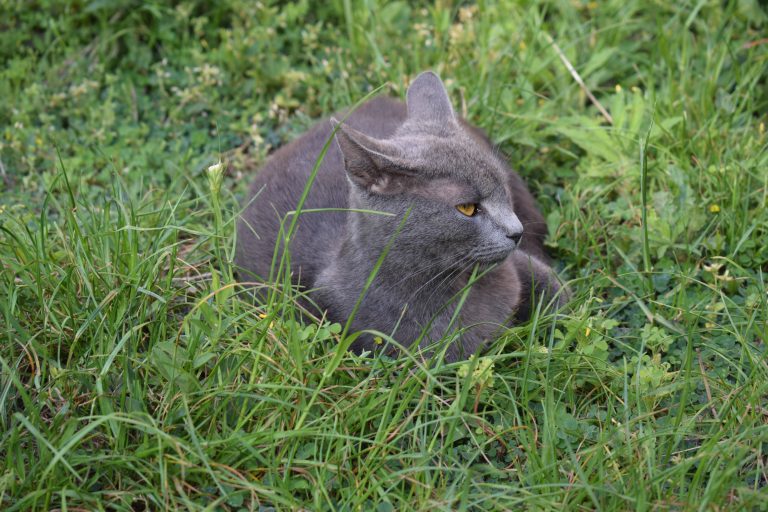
x: 428, y: 100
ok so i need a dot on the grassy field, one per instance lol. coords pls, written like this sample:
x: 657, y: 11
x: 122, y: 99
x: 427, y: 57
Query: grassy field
x: 136, y: 375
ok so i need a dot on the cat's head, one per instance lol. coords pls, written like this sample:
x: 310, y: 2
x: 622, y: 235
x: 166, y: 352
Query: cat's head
x: 454, y: 186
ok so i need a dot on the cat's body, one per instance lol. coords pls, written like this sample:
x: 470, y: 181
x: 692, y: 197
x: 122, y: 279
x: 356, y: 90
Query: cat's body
x: 418, y: 159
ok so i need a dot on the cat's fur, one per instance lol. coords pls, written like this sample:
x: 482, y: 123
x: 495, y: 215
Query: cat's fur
x: 394, y: 157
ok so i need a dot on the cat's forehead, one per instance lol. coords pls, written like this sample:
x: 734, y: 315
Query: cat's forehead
x: 461, y: 164
x: 447, y: 190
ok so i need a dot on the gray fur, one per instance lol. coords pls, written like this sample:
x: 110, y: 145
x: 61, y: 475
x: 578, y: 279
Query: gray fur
x: 395, y: 158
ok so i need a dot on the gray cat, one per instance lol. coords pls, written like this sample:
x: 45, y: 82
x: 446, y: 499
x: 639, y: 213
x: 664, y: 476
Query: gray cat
x: 466, y: 212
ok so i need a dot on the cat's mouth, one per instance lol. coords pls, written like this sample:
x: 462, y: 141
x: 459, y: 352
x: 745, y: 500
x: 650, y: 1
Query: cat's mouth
x: 493, y: 255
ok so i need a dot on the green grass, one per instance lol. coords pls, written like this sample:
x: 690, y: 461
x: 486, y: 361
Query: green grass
x: 135, y: 375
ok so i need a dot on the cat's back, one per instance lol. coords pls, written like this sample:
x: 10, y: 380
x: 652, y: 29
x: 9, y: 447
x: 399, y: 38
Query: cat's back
x: 279, y: 185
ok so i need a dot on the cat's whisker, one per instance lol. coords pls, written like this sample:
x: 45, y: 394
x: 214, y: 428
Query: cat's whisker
x: 444, y: 268
x: 412, y: 295
x: 453, y: 270
x: 458, y: 268
x: 434, y: 264
x: 447, y: 283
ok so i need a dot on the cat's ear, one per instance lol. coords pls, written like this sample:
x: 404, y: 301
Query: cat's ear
x: 373, y: 164
x: 428, y: 101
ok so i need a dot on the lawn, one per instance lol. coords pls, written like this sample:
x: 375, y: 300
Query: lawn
x: 135, y: 374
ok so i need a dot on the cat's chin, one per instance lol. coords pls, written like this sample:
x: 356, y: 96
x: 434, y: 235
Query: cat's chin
x: 493, y: 258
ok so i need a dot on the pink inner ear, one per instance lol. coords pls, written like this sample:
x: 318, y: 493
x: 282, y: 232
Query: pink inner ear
x: 381, y: 185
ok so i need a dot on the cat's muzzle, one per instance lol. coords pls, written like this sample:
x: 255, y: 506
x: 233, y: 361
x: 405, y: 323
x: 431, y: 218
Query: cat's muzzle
x: 495, y: 255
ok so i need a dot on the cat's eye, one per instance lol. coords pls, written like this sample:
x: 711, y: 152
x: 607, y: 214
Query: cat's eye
x: 468, y: 209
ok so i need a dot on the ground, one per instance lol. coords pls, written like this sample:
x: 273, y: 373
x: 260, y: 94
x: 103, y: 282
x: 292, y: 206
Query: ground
x: 135, y: 375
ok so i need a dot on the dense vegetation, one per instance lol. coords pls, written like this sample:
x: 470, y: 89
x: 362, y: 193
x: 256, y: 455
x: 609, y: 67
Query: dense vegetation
x: 135, y: 374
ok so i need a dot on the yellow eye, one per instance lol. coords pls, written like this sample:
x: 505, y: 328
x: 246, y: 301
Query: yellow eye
x: 468, y: 209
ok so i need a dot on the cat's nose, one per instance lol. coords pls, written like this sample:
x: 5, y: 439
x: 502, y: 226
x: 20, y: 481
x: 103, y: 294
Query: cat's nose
x: 515, y: 237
